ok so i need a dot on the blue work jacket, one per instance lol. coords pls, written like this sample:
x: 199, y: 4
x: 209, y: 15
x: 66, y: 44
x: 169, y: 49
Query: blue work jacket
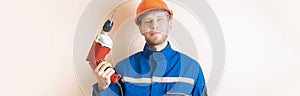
x: 157, y: 73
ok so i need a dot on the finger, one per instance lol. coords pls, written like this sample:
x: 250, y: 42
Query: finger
x: 99, y: 66
x: 103, y: 67
x: 105, y: 73
x: 109, y: 74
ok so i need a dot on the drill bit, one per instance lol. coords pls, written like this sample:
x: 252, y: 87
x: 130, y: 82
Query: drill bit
x: 113, y: 14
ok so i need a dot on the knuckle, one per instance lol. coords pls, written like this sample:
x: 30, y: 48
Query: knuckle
x: 106, y: 63
x: 99, y: 74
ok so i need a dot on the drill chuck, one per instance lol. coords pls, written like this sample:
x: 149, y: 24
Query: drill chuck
x: 107, y: 25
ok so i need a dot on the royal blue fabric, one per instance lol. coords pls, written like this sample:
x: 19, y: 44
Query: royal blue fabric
x: 149, y: 64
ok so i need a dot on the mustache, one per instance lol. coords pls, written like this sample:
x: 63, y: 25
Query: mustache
x: 154, y: 32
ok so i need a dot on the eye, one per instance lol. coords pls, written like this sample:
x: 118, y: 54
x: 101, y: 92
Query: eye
x: 147, y: 21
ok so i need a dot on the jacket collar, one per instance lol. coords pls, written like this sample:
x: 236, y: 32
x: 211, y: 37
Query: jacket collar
x: 167, y: 52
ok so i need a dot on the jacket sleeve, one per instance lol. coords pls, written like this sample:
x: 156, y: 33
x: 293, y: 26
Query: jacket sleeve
x: 112, y: 90
x: 200, y: 86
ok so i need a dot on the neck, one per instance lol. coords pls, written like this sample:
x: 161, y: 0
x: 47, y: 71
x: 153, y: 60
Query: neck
x: 158, y: 47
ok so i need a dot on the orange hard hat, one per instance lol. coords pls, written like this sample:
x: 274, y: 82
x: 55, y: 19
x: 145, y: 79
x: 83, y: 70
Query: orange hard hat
x: 148, y: 5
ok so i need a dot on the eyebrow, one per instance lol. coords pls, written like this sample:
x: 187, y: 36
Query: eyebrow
x: 156, y: 16
x: 160, y: 16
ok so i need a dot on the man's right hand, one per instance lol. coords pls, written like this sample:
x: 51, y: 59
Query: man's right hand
x: 103, y: 73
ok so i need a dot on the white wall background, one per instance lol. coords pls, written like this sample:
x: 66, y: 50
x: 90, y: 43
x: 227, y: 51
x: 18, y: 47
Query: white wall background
x: 262, y: 40
x: 261, y: 36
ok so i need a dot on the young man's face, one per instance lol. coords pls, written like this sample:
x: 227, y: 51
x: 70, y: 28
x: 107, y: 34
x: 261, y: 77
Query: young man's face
x: 155, y: 26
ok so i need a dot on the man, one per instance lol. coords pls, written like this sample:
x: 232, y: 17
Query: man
x: 158, y: 69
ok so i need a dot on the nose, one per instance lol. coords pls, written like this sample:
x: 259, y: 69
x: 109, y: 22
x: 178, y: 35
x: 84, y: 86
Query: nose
x: 154, y: 25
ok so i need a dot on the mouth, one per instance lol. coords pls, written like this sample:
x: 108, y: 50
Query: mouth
x: 154, y: 33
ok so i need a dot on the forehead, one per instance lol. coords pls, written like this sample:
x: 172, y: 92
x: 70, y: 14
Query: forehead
x: 154, y: 14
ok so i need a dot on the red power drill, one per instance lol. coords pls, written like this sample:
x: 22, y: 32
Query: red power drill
x: 101, y: 47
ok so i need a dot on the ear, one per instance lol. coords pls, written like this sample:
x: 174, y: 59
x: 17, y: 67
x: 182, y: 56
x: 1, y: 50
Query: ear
x: 170, y: 24
x: 140, y: 28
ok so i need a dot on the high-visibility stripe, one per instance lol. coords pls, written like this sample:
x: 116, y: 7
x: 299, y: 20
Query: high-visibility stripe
x: 178, y: 93
x: 137, y: 80
x: 173, y: 79
x: 158, y: 80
